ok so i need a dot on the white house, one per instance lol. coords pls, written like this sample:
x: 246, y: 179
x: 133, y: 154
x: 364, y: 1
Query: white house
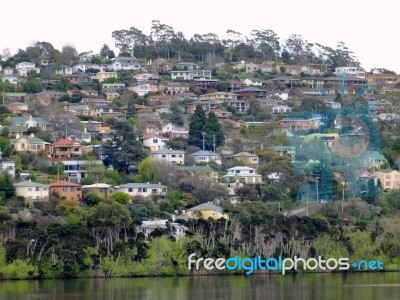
x: 75, y: 170
x: 25, y: 67
x: 125, y: 63
x: 143, y: 189
x: 189, y: 75
x: 144, y: 76
x: 153, y: 142
x: 248, y: 175
x: 144, y: 88
x: 170, y: 156
x: 82, y: 137
x: 283, y: 109
x: 64, y: 70
x: 9, y: 167
x: 206, y: 156
x: 252, y: 81
x: 32, y: 190
x: 350, y: 72
x: 147, y: 227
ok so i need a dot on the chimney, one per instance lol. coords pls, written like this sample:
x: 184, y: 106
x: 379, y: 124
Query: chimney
x: 32, y: 135
x: 17, y: 135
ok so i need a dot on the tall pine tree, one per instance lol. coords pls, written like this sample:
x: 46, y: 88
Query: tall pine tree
x: 213, y: 128
x: 196, y: 126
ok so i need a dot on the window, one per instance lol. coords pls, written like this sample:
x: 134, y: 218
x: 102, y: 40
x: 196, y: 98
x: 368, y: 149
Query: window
x: 155, y: 141
x: 72, y: 189
x: 163, y: 156
x: 153, y: 191
x: 37, y: 189
x: 29, y: 189
x: 173, y: 155
x: 180, y: 155
x: 130, y: 190
x: 65, y: 189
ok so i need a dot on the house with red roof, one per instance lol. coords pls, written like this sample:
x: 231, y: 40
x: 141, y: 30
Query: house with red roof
x: 65, y: 148
x: 67, y: 190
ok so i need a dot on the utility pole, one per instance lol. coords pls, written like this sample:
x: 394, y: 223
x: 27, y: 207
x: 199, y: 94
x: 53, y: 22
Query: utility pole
x: 214, y: 143
x: 3, y: 96
x: 204, y: 135
x: 307, y: 203
x: 316, y: 179
x: 342, y: 198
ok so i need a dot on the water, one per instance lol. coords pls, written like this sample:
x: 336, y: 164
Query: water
x: 365, y: 286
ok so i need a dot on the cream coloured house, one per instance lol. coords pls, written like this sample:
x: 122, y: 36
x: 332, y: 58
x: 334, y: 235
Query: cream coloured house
x: 32, y: 190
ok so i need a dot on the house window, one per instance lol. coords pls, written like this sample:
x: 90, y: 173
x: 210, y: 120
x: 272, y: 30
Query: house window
x: 72, y: 189
x: 65, y: 189
x: 29, y: 189
x: 130, y: 190
x: 153, y: 191
x: 164, y: 156
x: 155, y: 141
x: 173, y: 155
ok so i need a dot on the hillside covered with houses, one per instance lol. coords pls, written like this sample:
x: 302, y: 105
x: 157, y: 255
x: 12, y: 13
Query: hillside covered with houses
x: 191, y: 139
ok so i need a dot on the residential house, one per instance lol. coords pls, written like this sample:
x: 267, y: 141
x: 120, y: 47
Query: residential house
x: 79, y: 78
x: 24, y: 68
x: 67, y: 190
x: 247, y: 158
x: 374, y: 159
x: 101, y: 190
x: 30, y: 143
x: 92, y: 102
x: 183, y: 65
x: 47, y: 97
x: 350, y: 72
x: 101, y: 76
x: 246, y: 174
x: 82, y: 137
x: 297, y: 124
x: 91, y: 125
x: 241, y: 106
x: 118, y: 88
x: 207, y: 210
x: 170, y: 156
x: 65, y: 148
x: 222, y: 113
x: 383, y: 80
x: 13, y: 97
x: 175, y: 229
x: 143, y: 88
x: 204, y: 84
x: 64, y: 70
x: 252, y: 81
x: 251, y: 68
x: 327, y: 138
x: 75, y: 170
x: 204, y: 172
x: 159, y: 99
x: 8, y: 166
x: 8, y: 71
x: 144, y: 77
x: 153, y: 142
x: 143, y: 189
x: 29, y: 122
x: 125, y: 63
x: 218, y: 97
x: 206, y: 157
x: 281, y: 109
x: 389, y: 179
x: 207, y: 105
x: 192, y: 74
x: 251, y: 92
x: 32, y: 190
x: 173, y: 132
x: 174, y: 88
x: 11, y: 79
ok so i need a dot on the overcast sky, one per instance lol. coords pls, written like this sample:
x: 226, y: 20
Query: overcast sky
x: 370, y: 31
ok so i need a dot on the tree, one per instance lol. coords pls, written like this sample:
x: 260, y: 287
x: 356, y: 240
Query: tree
x: 126, y: 151
x: 104, y: 51
x: 196, y: 127
x: 176, y: 117
x: 130, y: 110
x: 146, y: 172
x: 266, y: 42
x: 69, y: 55
x: 121, y: 198
x: 213, y: 131
x: 6, y: 185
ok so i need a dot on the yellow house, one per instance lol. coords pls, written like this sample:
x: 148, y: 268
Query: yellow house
x: 101, y: 190
x: 246, y: 158
x: 390, y: 179
x: 327, y: 138
x: 29, y: 143
x: 207, y: 210
x: 101, y: 76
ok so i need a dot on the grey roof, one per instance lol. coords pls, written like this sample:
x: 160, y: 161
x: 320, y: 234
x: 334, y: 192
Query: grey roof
x: 244, y: 154
x: 197, y: 169
x: 142, y: 185
x: 206, y: 206
x: 204, y: 153
x: 29, y: 183
x: 14, y: 120
x: 166, y: 151
x: 251, y: 89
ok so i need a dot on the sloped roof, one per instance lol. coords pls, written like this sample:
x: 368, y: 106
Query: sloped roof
x: 24, y: 119
x: 29, y: 183
x: 204, y: 153
x: 197, y: 168
x: 206, y: 206
x: 64, y: 183
x: 142, y: 185
x: 166, y: 151
x: 31, y: 140
x: 246, y: 154
x: 64, y: 142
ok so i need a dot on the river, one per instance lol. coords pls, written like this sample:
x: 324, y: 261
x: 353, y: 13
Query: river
x: 365, y: 286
